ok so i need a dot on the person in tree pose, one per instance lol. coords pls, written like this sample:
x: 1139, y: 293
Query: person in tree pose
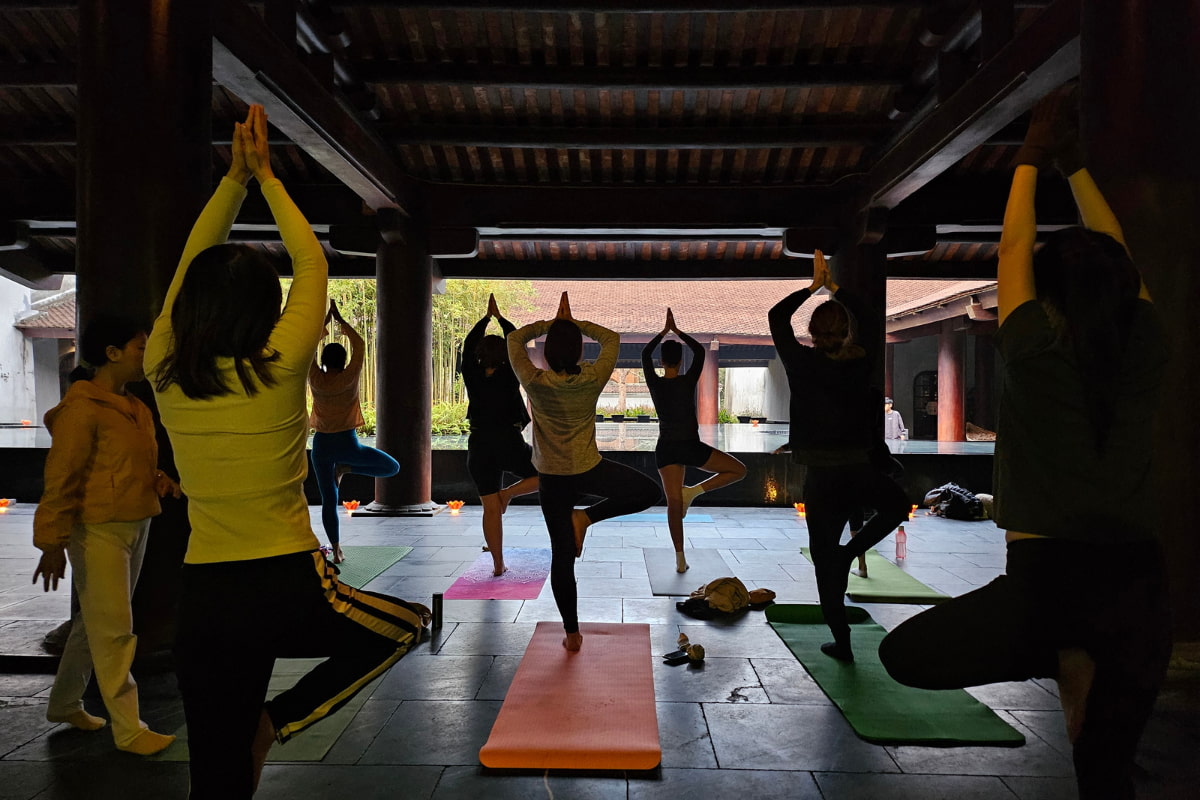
x: 336, y: 417
x: 229, y: 370
x: 835, y: 433
x: 1083, y: 598
x: 679, y: 445
x: 564, y: 446
x: 497, y: 414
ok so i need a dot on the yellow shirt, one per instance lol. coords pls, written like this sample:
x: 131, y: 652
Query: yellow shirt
x: 242, y: 459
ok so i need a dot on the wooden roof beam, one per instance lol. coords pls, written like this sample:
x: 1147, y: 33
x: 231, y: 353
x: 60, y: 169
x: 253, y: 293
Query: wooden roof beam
x: 693, y: 138
x: 1042, y: 57
x: 615, y: 79
x: 256, y: 66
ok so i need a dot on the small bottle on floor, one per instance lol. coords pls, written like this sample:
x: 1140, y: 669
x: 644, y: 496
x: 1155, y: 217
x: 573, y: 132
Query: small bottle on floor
x: 901, y: 543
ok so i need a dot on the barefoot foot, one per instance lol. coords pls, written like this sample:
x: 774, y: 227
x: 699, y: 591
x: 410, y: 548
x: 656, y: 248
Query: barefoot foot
x: 498, y: 571
x: 681, y: 564
x: 689, y: 494
x: 1076, y: 671
x: 79, y: 719
x: 841, y: 652
x: 573, y: 641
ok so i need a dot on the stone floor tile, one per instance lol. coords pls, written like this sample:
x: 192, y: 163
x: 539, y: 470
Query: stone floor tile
x: 780, y: 737
x: 121, y: 777
x: 446, y: 732
x: 361, y: 731
x: 499, y: 678
x: 21, y: 780
x: 703, y: 783
x: 1027, y: 696
x: 752, y: 639
x: 787, y: 682
x: 659, y: 611
x: 714, y: 680
x: 591, y: 609
x: 481, y: 610
x: 476, y: 782
x: 332, y: 782
x: 844, y: 786
x: 612, y: 587
x: 434, y: 677
x: 683, y: 733
x: 1035, y: 758
x: 1045, y: 788
x: 471, y: 638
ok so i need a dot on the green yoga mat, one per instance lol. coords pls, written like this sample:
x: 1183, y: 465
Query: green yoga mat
x: 887, y: 584
x: 879, y: 709
x: 311, y: 744
x: 364, y: 563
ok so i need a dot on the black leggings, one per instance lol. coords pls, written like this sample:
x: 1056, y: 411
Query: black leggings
x: 623, y: 490
x: 831, y: 496
x: 1109, y: 601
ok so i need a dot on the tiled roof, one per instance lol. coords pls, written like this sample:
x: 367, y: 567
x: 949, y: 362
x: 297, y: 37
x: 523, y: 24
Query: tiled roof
x: 57, y: 312
x: 716, y: 307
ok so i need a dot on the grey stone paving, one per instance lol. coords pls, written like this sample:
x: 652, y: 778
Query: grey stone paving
x: 751, y: 722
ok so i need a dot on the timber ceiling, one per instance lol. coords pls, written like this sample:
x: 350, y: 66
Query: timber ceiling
x: 658, y: 139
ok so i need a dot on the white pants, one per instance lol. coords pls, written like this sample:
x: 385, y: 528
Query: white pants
x: 105, y: 560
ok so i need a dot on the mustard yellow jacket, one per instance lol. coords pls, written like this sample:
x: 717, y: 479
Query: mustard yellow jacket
x: 101, y: 466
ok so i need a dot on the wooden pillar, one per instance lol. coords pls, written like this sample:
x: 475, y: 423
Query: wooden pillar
x: 143, y: 172
x: 889, y: 369
x: 1141, y: 121
x: 951, y: 386
x: 404, y: 372
x: 985, y: 382
x: 862, y: 269
x: 708, y: 391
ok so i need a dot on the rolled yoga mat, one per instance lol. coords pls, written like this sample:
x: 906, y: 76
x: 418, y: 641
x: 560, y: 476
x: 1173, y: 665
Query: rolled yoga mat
x: 593, y: 709
x: 527, y: 571
x: 311, y: 744
x: 364, y: 563
x: 887, y: 583
x: 704, y: 565
x: 879, y: 709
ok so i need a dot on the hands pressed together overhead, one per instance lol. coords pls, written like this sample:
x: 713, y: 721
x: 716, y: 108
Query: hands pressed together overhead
x: 251, y: 153
x: 1053, y: 135
x: 822, y: 277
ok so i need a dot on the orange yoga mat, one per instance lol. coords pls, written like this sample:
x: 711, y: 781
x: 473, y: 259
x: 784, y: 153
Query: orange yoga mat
x: 593, y: 709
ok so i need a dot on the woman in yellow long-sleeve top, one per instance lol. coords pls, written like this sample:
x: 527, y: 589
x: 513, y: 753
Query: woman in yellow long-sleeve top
x: 229, y: 373
x: 101, y: 488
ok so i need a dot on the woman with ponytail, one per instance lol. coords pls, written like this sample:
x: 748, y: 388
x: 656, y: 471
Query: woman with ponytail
x: 835, y: 430
x: 1083, y: 596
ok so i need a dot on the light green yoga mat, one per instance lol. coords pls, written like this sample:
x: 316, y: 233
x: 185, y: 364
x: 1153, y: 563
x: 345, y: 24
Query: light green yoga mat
x: 879, y: 709
x: 312, y: 743
x: 887, y: 584
x: 365, y: 563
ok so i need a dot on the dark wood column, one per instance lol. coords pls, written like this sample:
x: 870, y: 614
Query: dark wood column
x: 985, y: 382
x: 862, y: 269
x: 951, y: 386
x: 708, y: 390
x: 144, y: 171
x: 404, y: 379
x: 1141, y: 122
x: 145, y: 148
x: 889, y: 369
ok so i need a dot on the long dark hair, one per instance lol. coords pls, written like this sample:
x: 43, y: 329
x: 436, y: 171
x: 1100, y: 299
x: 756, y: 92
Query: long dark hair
x: 227, y: 307
x: 1089, y: 285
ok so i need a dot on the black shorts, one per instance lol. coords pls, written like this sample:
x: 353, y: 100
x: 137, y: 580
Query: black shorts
x: 490, y: 453
x: 692, y: 453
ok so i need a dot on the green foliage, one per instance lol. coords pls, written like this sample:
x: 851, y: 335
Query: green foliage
x: 450, y: 418
x: 368, y: 426
x: 724, y: 417
x: 456, y: 312
x: 634, y: 411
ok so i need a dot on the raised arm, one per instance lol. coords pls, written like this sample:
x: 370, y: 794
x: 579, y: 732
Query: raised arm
x: 474, y: 336
x: 648, y: 354
x: 780, y: 321
x: 697, y: 352
x: 610, y: 346
x: 357, y: 345
x: 518, y: 355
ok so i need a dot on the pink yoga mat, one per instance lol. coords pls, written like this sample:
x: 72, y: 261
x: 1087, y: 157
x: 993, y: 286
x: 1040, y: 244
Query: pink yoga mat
x: 527, y: 571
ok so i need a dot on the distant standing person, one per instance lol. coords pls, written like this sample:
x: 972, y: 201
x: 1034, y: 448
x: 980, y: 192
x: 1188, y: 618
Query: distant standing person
x: 893, y: 423
x: 497, y: 414
x: 679, y: 445
x: 834, y: 432
x: 564, y: 446
x: 102, y: 486
x: 336, y: 417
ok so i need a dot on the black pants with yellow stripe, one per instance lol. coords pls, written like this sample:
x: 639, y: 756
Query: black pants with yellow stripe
x: 237, y: 617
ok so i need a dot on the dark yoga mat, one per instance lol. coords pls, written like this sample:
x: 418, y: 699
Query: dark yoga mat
x: 879, y: 709
x: 364, y: 563
x: 887, y: 583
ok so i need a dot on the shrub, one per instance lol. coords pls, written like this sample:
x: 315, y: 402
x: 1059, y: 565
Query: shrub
x: 724, y: 417
x: 450, y: 419
x: 368, y: 426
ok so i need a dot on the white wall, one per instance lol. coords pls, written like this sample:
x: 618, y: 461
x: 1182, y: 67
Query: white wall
x: 776, y: 394
x: 744, y: 390
x: 18, y: 399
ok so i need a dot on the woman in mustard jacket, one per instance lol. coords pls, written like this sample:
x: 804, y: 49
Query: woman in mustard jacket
x: 101, y: 488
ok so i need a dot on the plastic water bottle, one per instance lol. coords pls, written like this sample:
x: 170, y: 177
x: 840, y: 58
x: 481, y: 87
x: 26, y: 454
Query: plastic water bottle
x: 901, y: 543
